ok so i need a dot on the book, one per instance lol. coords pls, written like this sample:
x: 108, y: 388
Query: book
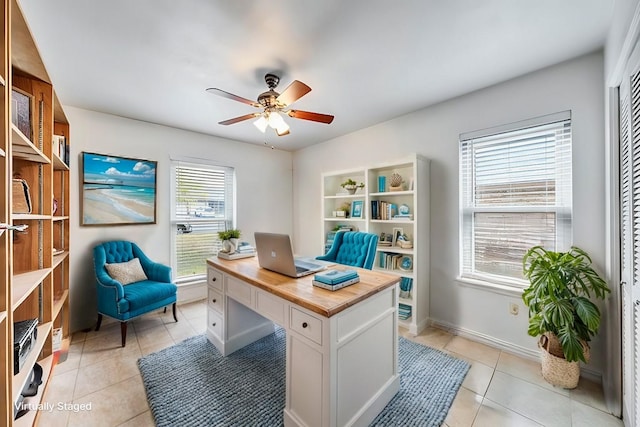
x: 406, y: 284
x: 336, y: 286
x: 235, y: 255
x: 333, y: 277
x: 59, y: 143
x: 404, y: 311
x: 403, y: 217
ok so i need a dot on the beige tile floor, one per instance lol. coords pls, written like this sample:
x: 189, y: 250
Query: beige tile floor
x: 499, y: 390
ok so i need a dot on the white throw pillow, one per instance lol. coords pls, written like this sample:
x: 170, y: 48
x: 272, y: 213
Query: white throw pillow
x: 126, y: 272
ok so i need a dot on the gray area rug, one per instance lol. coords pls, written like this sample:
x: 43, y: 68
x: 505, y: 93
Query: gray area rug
x: 191, y: 384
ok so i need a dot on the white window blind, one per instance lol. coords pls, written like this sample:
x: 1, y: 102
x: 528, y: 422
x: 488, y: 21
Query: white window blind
x: 515, y: 193
x: 203, y: 205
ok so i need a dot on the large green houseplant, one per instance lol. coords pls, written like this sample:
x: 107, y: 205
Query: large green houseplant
x: 561, y: 285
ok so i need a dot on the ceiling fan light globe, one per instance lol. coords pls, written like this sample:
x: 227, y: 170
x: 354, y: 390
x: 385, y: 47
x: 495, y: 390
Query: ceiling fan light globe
x: 261, y: 124
x: 283, y: 128
x: 276, y: 120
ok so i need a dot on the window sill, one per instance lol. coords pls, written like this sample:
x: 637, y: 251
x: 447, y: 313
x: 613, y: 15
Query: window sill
x: 494, y: 287
x: 191, y: 280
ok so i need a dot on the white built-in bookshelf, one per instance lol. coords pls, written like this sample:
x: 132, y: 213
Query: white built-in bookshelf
x: 388, y: 212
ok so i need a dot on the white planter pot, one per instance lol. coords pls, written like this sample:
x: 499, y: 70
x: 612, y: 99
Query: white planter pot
x: 230, y: 246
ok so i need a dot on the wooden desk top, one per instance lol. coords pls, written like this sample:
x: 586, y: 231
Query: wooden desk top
x: 300, y: 291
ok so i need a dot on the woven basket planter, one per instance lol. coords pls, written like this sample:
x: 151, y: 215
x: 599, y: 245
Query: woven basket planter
x: 555, y: 369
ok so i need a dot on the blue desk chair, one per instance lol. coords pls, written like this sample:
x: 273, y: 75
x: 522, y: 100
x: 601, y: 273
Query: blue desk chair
x: 130, y: 284
x: 354, y: 248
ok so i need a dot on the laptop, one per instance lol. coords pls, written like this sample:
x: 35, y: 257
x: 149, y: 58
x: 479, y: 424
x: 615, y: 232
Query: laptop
x: 276, y: 254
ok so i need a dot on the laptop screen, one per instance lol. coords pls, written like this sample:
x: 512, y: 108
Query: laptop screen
x: 275, y: 253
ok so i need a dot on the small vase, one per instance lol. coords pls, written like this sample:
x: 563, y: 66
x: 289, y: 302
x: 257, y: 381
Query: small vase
x: 351, y: 189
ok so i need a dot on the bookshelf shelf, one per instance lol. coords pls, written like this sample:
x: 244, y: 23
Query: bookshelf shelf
x: 58, y: 164
x: 392, y: 193
x: 20, y: 379
x: 58, y: 302
x: 30, y: 217
x: 25, y: 283
x: 346, y: 196
x: 24, y: 149
x: 394, y: 221
x: 59, y: 258
x: 30, y: 417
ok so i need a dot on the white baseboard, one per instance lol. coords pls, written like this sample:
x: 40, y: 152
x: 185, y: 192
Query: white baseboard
x: 520, y: 351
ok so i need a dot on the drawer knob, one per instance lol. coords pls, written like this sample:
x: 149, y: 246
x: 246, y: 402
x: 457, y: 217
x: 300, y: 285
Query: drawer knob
x: 304, y: 324
x: 213, y: 280
x: 213, y: 300
x: 213, y: 324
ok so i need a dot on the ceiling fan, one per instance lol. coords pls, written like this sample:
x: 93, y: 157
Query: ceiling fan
x: 274, y: 105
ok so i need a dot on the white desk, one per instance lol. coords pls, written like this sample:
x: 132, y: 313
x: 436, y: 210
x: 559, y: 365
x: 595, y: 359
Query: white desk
x: 342, y: 346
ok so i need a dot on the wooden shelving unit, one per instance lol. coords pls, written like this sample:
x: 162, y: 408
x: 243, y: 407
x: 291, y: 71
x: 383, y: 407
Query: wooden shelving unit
x: 34, y: 263
x: 414, y: 194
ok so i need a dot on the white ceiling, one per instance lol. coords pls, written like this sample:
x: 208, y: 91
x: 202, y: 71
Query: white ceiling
x: 367, y: 61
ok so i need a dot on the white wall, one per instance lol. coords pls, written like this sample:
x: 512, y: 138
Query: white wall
x: 575, y: 85
x: 623, y: 14
x: 264, y: 196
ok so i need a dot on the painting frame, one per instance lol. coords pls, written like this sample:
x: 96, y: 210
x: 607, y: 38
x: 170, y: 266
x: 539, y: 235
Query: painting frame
x: 397, y: 232
x: 356, y: 209
x: 22, y: 111
x: 117, y: 190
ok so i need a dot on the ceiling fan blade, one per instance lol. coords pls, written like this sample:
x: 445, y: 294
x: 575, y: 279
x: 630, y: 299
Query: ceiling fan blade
x: 239, y: 119
x: 293, y: 92
x: 307, y: 115
x: 228, y: 95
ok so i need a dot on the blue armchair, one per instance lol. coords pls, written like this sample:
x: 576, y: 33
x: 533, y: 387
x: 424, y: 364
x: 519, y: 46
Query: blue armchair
x: 354, y: 248
x: 129, y: 284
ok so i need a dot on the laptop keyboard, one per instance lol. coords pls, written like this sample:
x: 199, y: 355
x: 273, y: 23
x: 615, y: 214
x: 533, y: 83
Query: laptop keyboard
x: 304, y: 265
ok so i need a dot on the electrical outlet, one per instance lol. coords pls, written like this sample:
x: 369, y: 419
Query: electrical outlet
x: 514, y: 309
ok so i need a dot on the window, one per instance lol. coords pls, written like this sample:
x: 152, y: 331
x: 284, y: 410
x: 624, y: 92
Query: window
x: 203, y: 204
x: 515, y: 193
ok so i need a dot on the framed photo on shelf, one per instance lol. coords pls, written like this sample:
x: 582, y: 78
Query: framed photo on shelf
x: 356, y: 209
x: 21, y: 107
x: 117, y: 190
x: 397, y: 232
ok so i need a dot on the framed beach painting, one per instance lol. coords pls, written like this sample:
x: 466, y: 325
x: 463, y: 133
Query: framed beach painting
x: 117, y: 190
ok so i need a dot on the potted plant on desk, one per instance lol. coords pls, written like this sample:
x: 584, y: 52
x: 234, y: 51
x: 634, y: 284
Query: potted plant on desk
x: 560, y: 311
x: 229, y: 240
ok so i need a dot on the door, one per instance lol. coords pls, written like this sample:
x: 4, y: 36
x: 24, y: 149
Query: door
x: 629, y: 123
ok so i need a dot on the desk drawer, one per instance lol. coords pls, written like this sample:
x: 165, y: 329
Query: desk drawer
x: 215, y: 299
x: 271, y: 307
x: 214, y: 324
x: 306, y: 325
x: 239, y: 291
x: 214, y: 279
